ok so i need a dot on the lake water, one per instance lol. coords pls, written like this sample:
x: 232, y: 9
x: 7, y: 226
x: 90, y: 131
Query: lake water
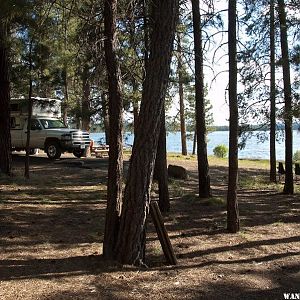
x: 253, y: 149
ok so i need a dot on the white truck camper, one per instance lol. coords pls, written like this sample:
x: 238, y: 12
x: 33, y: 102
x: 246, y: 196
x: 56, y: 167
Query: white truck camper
x: 47, y: 131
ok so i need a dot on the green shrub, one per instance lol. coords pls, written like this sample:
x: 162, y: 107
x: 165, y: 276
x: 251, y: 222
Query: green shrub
x: 220, y: 151
x: 296, y: 156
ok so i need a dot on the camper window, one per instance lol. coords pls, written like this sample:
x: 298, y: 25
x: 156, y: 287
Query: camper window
x: 12, y: 122
x: 15, y: 123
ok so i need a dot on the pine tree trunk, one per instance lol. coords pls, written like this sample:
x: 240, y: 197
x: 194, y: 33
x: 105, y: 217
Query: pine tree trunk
x: 194, y: 142
x: 115, y: 168
x: 134, y: 83
x: 105, y: 117
x: 272, y: 96
x: 86, y: 99
x: 131, y: 239
x: 181, y: 98
x: 288, y: 118
x: 161, y: 169
x: 146, y: 35
x: 65, y: 103
x: 66, y: 96
x: 5, y: 144
x: 203, y: 168
x: 30, y: 103
x: 135, y: 116
x: 233, y: 222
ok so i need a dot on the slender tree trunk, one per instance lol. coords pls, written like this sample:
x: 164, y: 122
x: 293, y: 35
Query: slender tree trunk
x: 181, y: 98
x: 115, y: 168
x: 134, y: 83
x: 131, y: 239
x: 146, y: 34
x: 105, y: 117
x: 5, y: 144
x: 161, y: 169
x: 272, y: 96
x: 86, y: 105
x: 135, y: 116
x: 86, y: 99
x: 30, y: 103
x: 233, y: 222
x: 203, y: 168
x: 288, y: 117
x: 78, y: 114
x: 194, y: 142
x: 66, y: 96
x: 65, y: 104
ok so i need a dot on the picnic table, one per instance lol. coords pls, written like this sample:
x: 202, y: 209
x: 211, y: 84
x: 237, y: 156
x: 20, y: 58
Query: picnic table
x: 99, y: 150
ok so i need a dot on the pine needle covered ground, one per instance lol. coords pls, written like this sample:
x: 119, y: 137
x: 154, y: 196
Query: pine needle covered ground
x: 51, y: 231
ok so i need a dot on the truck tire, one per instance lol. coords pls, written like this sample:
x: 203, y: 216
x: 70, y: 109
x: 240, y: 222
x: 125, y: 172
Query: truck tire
x: 78, y: 152
x: 53, y: 150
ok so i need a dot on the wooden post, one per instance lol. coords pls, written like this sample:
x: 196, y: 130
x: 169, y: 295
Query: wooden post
x: 162, y: 233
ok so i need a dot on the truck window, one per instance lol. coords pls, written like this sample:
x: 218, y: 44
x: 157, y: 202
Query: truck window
x: 35, y: 125
x: 52, y: 123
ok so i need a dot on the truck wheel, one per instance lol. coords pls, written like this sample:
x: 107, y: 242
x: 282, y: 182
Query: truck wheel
x: 53, y: 150
x: 78, y: 152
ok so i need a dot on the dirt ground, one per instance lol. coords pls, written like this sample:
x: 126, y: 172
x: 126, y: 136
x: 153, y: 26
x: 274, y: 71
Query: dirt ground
x: 51, y: 231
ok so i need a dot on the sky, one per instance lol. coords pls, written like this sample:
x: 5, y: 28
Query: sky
x: 217, y: 84
x: 216, y: 94
x: 217, y: 79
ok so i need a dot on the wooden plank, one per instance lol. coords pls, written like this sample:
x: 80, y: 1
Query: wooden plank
x: 162, y: 233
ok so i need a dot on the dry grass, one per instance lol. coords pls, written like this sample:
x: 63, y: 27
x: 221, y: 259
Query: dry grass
x: 51, y: 231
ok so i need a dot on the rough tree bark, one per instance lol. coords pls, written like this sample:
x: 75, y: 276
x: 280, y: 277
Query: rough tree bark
x: 115, y: 168
x: 131, y: 239
x: 272, y: 96
x: 203, y: 168
x: 233, y: 222
x: 288, y: 117
x: 5, y: 144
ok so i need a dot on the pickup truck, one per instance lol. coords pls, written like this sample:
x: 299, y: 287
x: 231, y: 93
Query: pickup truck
x: 47, y: 133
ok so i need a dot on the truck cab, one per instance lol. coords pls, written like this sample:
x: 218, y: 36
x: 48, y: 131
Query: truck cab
x: 47, y: 131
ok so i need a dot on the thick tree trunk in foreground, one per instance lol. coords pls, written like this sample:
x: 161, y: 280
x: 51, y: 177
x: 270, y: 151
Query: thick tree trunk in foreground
x: 203, y: 168
x: 288, y: 118
x: 233, y: 222
x: 131, y: 239
x: 272, y: 96
x: 5, y: 144
x: 115, y: 168
x: 161, y: 169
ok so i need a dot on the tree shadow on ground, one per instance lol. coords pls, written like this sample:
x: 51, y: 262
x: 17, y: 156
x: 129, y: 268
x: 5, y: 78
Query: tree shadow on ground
x: 73, y: 218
